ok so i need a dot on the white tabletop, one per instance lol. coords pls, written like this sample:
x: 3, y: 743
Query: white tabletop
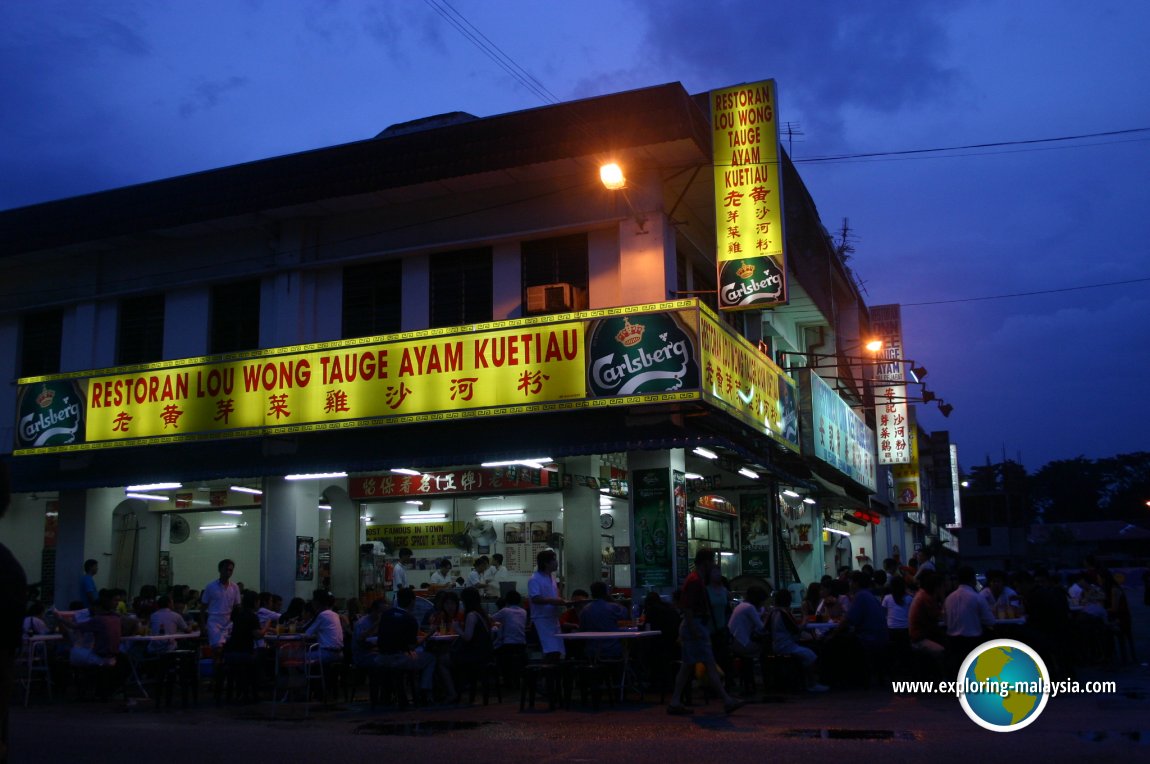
x: 160, y: 637
x: 628, y: 634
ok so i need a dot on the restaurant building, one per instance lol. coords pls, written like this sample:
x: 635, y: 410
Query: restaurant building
x: 458, y: 336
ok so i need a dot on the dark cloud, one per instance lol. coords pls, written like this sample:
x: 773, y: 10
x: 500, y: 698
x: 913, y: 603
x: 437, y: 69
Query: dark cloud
x: 207, y: 95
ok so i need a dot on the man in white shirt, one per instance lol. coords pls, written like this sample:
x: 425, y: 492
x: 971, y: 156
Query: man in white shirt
x: 326, y: 628
x: 967, y: 615
x: 996, y: 593
x: 399, y: 572
x: 442, y: 575
x: 546, y: 605
x: 477, y: 577
x: 496, y: 572
x: 217, y: 601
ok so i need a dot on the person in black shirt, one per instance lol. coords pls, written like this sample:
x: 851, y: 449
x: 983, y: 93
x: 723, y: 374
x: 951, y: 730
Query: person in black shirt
x: 239, y: 651
x: 398, y: 637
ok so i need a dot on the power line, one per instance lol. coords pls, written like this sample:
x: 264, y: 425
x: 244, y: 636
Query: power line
x: 1028, y: 294
x: 996, y: 144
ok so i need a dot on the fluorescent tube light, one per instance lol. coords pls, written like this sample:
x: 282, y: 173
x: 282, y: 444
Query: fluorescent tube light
x: 414, y: 503
x: 147, y: 496
x: 493, y: 512
x: 692, y: 476
x: 153, y: 487
x: 809, y: 500
x: 245, y: 489
x: 419, y: 518
x: 745, y: 472
x: 222, y: 527
x: 324, y: 507
x: 406, y: 471
x: 230, y: 512
x: 792, y: 494
x: 836, y: 530
x: 316, y: 476
x: 536, y: 463
x: 706, y: 453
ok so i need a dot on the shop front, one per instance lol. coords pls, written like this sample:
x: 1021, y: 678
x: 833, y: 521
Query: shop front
x: 590, y: 418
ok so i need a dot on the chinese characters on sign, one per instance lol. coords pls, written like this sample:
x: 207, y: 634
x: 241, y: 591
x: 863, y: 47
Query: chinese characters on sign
x: 840, y: 436
x: 477, y: 480
x: 748, y: 197
x: 893, y: 421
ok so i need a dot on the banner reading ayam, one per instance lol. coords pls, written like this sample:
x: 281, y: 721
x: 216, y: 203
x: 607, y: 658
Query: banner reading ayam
x: 748, y: 197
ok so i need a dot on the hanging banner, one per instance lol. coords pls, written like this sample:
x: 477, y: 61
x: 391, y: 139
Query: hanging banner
x: 755, y: 533
x: 652, y: 540
x: 893, y: 419
x: 907, y: 483
x: 748, y: 197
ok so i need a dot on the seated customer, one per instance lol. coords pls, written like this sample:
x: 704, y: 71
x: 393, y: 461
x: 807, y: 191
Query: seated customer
x: 239, y: 650
x: 746, y: 624
x: 164, y: 620
x: 445, y: 619
x: 784, y: 633
x: 600, y: 614
x: 511, y: 637
x: 398, y: 638
x: 326, y: 628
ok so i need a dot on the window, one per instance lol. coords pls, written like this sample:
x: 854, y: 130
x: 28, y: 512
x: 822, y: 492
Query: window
x: 371, y: 299
x: 141, y: 331
x: 461, y: 287
x: 559, y: 263
x: 41, y: 334
x: 983, y: 536
x: 235, y: 311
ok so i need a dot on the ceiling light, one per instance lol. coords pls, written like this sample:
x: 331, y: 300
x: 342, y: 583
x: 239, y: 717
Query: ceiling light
x: 612, y: 176
x: 222, y: 527
x: 146, y: 497
x: 324, y: 507
x: 421, y: 516
x: 414, y: 503
x: 406, y: 471
x: 706, y: 453
x: 493, y: 512
x: 230, y: 512
x: 692, y: 476
x: 154, y: 487
x: 836, y: 530
x: 745, y: 472
x: 536, y: 463
x: 809, y: 500
x: 245, y: 489
x: 316, y: 476
x: 789, y: 492
x: 366, y: 518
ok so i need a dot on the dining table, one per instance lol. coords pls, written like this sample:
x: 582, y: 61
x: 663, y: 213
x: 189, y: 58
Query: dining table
x: 136, y: 657
x: 626, y: 637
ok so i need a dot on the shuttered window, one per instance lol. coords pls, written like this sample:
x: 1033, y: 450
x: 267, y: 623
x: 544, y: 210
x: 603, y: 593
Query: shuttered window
x: 41, y: 336
x: 371, y: 299
x: 235, y: 311
x: 140, y: 335
x: 461, y: 287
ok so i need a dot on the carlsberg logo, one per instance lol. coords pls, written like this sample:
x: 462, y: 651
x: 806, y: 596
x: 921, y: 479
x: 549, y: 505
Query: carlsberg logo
x: 50, y: 415
x: 637, y: 368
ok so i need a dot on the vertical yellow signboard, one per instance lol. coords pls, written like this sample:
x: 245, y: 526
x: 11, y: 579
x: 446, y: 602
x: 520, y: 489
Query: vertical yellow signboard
x: 748, y: 197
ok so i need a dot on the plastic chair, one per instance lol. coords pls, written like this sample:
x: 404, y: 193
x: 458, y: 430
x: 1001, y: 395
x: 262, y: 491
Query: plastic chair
x: 33, y: 664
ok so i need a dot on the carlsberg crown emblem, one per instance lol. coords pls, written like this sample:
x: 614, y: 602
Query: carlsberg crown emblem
x: 631, y: 334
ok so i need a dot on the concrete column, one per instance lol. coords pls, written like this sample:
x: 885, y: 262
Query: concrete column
x: 84, y: 532
x: 289, y: 510
x: 603, y: 288
x: 344, y: 516
x: 582, y: 561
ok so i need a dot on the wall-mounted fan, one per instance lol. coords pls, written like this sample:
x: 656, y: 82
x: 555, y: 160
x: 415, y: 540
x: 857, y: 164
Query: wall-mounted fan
x: 178, y: 530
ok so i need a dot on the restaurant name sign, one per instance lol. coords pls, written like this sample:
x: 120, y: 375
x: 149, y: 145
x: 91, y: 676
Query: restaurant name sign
x: 748, y: 197
x: 630, y: 355
x: 453, y: 482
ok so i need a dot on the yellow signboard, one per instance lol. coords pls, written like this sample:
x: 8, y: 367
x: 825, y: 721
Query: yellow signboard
x: 748, y: 197
x: 431, y: 535
x: 746, y: 383
x: 526, y: 365
x: 907, y: 485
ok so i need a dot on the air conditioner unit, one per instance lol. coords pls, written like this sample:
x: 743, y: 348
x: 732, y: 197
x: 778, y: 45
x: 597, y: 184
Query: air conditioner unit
x: 555, y: 298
